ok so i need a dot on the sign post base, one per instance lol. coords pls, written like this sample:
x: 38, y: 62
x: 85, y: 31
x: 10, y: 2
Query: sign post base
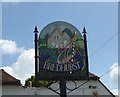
x: 63, y: 88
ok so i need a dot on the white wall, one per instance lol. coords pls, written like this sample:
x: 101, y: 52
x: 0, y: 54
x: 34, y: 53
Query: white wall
x: 83, y: 90
x: 19, y: 90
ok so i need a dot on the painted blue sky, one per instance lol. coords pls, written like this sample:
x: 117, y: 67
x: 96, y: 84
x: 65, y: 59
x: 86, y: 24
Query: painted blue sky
x: 100, y: 20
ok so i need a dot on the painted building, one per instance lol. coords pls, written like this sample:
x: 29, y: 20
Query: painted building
x: 93, y: 87
x: 57, y: 39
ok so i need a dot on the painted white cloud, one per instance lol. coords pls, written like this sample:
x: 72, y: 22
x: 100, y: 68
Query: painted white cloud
x: 9, y: 47
x: 115, y: 72
x: 23, y: 68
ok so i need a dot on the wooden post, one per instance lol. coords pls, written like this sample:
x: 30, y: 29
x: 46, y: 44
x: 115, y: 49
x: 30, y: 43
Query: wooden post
x: 36, y: 44
x: 63, y: 88
x: 86, y: 53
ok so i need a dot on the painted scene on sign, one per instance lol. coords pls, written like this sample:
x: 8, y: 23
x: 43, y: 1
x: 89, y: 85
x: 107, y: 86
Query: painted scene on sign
x: 61, y: 47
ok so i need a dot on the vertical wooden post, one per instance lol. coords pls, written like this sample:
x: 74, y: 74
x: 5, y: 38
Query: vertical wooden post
x: 86, y: 52
x: 63, y: 88
x: 36, y: 44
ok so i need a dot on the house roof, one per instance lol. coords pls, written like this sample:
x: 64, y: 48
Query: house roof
x: 7, y: 79
x: 93, y: 76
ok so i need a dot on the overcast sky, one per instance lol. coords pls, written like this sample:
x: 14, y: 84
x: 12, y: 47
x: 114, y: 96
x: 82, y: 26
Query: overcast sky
x: 100, y: 20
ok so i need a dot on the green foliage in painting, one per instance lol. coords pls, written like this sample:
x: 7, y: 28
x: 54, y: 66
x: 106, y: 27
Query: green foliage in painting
x: 68, y: 31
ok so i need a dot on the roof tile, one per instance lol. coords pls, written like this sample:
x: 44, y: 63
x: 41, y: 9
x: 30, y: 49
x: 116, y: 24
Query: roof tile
x: 7, y: 79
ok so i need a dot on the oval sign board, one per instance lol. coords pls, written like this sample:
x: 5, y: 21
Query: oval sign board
x: 61, y: 51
